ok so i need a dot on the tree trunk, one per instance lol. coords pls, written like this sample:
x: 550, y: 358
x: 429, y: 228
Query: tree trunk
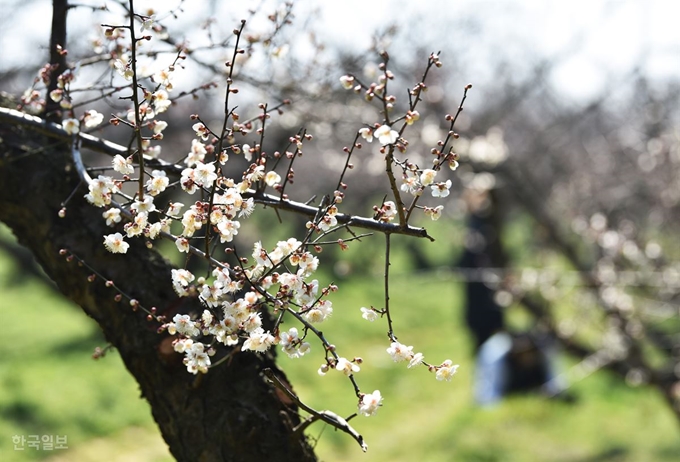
x: 231, y: 413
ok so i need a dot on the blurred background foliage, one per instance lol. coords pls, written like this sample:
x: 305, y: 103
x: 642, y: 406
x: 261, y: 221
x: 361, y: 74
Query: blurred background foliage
x: 585, y: 176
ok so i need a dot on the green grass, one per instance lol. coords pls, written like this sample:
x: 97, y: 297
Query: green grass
x: 50, y: 385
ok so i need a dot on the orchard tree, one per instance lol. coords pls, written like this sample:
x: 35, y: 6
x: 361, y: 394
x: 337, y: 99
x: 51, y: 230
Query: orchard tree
x: 201, y: 338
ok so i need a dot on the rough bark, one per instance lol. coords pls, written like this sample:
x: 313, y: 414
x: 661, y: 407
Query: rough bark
x: 230, y: 414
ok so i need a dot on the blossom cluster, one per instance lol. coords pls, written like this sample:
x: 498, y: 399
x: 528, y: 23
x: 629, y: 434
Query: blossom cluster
x: 238, y: 299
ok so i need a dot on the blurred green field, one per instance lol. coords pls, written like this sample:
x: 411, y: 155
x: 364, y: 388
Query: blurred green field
x: 49, y: 385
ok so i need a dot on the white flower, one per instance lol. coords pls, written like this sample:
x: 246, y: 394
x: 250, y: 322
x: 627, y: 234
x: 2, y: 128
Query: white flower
x: 247, y: 207
x: 161, y: 101
x: 123, y: 67
x: 201, y: 131
x: 191, y: 220
x: 347, y: 82
x: 259, y: 341
x: 157, y: 183
x: 144, y: 206
x: 427, y: 177
x: 272, y: 179
x: 197, y: 153
x: 370, y: 403
x: 174, y: 209
x: 101, y: 190
x: 71, y: 126
x: 292, y: 345
x: 152, y: 231
x: 400, y: 352
x: 322, y: 310
x: 410, y: 183
x: 137, y: 226
x: 386, y: 135
x: 389, y: 210
x: 180, y: 280
x: 346, y: 367
x: 114, y: 243
x: 369, y: 314
x: 252, y: 322
x: 434, y: 213
x: 183, y: 325
x: 123, y: 165
x: 147, y: 24
x: 205, y: 173
x: 447, y: 370
x: 158, y: 126
x: 92, y: 118
x: 247, y: 153
x: 441, y: 189
x: 228, y: 229
x: 182, y: 244
x: 416, y: 360
x: 196, y: 359
x: 112, y: 216
x: 367, y: 134
x: 56, y: 95
x: 164, y: 77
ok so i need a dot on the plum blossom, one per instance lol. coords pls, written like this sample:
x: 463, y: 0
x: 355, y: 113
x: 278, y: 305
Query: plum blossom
x: 228, y: 229
x: 369, y: 314
x: 259, y: 341
x: 427, y: 177
x: 71, y: 126
x: 434, y: 213
x: 112, y: 216
x: 136, y: 226
x: 101, y: 190
x: 347, y: 82
x: 196, y: 359
x: 182, y: 244
x: 174, y: 208
x: 183, y: 325
x: 447, y: 370
x: 346, y: 367
x: 416, y: 360
x: 410, y: 183
x: 144, y: 206
x: 320, y: 312
x: 292, y: 345
x: 367, y: 134
x: 181, y: 279
x: 400, y: 352
x: 197, y: 153
x: 386, y: 135
x: 123, y: 165
x: 92, y: 118
x: 161, y: 101
x: 370, y: 403
x: 441, y: 189
x: 205, y: 173
x: 201, y: 130
x: 388, y: 211
x: 272, y: 179
x: 122, y: 65
x: 157, y: 183
x: 114, y: 243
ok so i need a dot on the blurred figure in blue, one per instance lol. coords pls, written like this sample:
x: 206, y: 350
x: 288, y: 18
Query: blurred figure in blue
x: 506, y: 362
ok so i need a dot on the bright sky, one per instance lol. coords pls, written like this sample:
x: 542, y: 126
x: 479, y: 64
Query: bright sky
x: 608, y: 38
